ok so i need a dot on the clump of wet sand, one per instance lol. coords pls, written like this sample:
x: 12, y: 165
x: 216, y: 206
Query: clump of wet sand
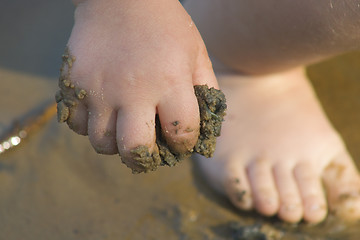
x: 212, y: 106
x: 68, y: 97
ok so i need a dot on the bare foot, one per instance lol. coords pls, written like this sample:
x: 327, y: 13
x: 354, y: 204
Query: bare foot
x: 277, y: 148
x: 136, y: 59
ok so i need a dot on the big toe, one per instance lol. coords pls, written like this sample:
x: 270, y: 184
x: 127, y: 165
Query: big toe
x: 342, y: 182
x: 179, y: 118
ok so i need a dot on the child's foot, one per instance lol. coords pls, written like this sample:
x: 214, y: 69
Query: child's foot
x: 277, y: 146
x: 136, y: 59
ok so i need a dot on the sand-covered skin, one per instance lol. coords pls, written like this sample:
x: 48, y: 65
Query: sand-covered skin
x: 212, y: 106
x: 68, y: 96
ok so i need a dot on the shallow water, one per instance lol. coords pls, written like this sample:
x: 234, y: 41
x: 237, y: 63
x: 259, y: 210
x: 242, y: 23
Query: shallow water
x: 54, y: 186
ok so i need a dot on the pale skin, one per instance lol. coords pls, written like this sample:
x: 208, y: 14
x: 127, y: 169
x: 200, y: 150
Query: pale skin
x: 277, y: 147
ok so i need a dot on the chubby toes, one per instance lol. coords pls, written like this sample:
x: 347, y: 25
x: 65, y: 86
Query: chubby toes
x: 296, y: 192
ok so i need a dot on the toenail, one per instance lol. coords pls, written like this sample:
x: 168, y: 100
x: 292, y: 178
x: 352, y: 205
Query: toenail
x: 270, y: 201
x: 316, y: 207
x: 290, y: 207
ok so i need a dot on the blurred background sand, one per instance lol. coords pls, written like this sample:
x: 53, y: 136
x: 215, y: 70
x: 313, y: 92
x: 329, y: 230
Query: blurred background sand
x: 54, y: 186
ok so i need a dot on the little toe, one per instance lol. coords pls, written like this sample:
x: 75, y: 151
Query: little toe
x: 290, y: 209
x: 135, y: 129
x: 179, y: 118
x: 264, y: 192
x: 237, y: 186
x: 311, y: 191
x: 342, y: 183
x: 102, y: 131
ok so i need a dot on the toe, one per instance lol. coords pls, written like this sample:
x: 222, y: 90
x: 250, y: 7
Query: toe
x: 237, y: 186
x: 264, y: 192
x: 290, y: 209
x: 342, y: 183
x: 179, y: 118
x: 311, y: 191
x: 135, y: 127
x: 101, y: 130
x: 204, y: 75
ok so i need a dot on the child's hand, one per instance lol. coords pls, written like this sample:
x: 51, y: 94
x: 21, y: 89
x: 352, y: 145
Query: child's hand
x: 136, y: 59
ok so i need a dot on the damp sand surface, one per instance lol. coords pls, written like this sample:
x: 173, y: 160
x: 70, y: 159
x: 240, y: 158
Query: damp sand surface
x: 54, y: 186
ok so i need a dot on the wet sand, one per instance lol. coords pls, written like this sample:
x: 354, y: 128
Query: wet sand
x: 54, y: 185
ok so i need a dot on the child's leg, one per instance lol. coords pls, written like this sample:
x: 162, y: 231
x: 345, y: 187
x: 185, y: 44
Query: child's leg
x: 277, y: 144
x: 268, y: 36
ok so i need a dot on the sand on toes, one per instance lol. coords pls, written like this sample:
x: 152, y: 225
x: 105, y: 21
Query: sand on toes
x: 279, y: 154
